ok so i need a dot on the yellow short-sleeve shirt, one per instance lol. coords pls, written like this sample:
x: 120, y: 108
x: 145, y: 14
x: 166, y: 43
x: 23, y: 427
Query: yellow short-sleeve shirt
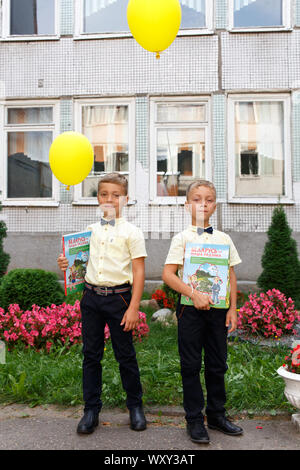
x: 177, y: 247
x: 112, y: 248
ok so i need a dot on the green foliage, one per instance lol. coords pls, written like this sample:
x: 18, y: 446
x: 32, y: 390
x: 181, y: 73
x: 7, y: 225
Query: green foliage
x: 27, y: 287
x: 72, y: 297
x: 280, y: 263
x: 4, y: 257
x: 39, y: 378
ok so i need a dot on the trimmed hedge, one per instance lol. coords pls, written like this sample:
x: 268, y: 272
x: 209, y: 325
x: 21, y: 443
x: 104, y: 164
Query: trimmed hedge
x: 27, y: 287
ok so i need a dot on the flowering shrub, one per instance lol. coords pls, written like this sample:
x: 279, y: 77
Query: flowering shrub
x: 142, y: 328
x: 163, y: 301
x: 269, y: 314
x: 43, y: 327
x: 292, y: 361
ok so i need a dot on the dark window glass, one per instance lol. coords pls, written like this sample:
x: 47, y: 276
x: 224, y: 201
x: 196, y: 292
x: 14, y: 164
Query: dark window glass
x: 28, y: 172
x: 32, y: 17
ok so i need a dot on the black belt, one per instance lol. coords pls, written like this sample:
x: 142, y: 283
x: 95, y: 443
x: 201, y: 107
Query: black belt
x: 108, y: 290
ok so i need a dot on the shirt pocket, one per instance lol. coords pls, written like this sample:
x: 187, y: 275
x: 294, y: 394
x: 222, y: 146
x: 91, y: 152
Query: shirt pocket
x: 116, y: 248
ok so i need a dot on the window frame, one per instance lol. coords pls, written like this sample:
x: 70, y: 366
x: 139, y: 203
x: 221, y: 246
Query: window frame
x: 259, y: 199
x: 79, y: 103
x: 5, y: 128
x: 80, y: 34
x: 5, y: 34
x: 154, y: 126
x: 286, y: 17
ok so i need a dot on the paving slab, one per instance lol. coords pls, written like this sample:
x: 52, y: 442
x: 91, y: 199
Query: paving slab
x: 54, y: 428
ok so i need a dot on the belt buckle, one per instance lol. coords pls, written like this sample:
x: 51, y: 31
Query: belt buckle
x: 106, y: 294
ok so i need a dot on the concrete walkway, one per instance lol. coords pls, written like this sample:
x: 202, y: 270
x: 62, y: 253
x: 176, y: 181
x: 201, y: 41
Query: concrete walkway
x: 53, y: 428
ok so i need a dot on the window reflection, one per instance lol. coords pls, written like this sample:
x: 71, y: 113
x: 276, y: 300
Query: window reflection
x: 106, y: 127
x: 258, y: 13
x: 108, y: 16
x: 259, y: 148
x: 180, y: 159
x: 28, y: 171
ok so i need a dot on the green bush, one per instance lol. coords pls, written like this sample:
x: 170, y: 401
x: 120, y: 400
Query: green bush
x: 4, y: 257
x: 280, y: 263
x: 27, y: 287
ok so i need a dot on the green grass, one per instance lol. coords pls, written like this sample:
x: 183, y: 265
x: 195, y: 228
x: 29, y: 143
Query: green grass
x: 39, y: 378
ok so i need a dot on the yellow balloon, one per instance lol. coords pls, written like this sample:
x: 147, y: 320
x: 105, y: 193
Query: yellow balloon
x: 71, y: 157
x: 154, y: 24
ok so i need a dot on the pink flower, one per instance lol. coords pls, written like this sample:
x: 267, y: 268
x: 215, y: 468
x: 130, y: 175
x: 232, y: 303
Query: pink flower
x: 269, y: 314
x: 42, y: 327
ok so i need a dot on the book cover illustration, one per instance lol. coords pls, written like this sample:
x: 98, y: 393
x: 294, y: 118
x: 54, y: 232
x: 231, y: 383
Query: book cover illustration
x: 206, y: 269
x: 76, y: 248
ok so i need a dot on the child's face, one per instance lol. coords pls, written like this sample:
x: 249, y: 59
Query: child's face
x: 201, y: 204
x: 111, y: 199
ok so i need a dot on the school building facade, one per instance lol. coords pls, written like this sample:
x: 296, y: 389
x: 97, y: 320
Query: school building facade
x: 222, y: 103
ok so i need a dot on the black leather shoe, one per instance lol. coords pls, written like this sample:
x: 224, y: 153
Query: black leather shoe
x: 88, y: 422
x: 221, y: 423
x: 137, y: 419
x: 197, y: 432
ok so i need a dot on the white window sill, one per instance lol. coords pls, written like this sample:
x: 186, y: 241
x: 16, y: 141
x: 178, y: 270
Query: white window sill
x: 85, y: 202
x: 271, y: 29
x: 29, y: 38
x: 260, y: 200
x: 28, y: 203
x: 168, y: 201
x: 196, y: 32
x: 188, y: 32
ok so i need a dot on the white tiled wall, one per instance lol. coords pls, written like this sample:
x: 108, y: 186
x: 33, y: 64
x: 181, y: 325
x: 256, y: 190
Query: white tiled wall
x: 201, y: 65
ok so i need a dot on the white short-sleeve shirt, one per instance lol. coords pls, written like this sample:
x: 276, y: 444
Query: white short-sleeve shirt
x: 177, y: 247
x: 112, y: 248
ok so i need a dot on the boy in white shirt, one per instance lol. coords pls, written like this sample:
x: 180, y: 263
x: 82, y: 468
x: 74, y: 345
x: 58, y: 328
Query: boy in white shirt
x: 200, y: 326
x: 115, y: 266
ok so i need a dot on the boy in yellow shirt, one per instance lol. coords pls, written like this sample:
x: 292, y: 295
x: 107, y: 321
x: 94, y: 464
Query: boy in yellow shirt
x: 115, y: 266
x: 200, y: 326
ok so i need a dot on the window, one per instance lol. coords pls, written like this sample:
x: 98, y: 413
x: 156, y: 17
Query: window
x: 105, y: 16
x: 108, y: 125
x: 196, y: 14
x: 260, y: 14
x: 109, y: 17
x: 179, y: 147
x: 28, y: 134
x: 34, y: 18
x: 259, y: 148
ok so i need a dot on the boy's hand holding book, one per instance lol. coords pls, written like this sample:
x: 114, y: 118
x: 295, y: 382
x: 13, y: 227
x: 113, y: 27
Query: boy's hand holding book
x: 201, y: 301
x: 62, y: 262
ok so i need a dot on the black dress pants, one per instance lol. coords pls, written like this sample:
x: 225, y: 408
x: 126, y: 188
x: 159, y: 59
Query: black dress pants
x: 96, y: 311
x: 202, y: 330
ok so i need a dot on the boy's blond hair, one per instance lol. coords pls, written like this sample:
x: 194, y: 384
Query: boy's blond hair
x: 114, y: 178
x: 197, y: 183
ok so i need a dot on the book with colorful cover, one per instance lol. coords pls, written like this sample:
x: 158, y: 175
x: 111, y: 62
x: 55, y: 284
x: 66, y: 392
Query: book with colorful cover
x: 76, y: 248
x: 206, y: 269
